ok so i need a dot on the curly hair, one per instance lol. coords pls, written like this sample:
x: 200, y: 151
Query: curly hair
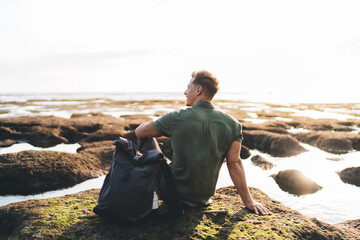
x: 207, y: 80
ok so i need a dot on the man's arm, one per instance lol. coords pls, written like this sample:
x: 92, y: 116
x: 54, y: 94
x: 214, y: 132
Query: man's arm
x: 237, y: 174
x: 147, y: 130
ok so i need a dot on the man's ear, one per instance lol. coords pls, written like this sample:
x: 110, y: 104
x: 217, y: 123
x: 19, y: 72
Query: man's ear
x: 199, y: 90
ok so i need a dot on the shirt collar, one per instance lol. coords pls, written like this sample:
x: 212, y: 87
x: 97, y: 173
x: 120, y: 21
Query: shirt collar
x: 203, y: 104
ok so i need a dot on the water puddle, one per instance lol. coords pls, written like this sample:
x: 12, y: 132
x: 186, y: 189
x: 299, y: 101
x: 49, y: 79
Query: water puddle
x: 18, y: 147
x: 86, y: 185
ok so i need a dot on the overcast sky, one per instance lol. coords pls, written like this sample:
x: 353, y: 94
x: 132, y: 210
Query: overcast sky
x: 149, y: 45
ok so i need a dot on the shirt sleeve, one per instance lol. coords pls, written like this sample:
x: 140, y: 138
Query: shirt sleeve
x: 164, y: 125
x: 238, y: 133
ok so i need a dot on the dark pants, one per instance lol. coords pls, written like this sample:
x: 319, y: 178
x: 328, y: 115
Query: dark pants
x: 166, y: 189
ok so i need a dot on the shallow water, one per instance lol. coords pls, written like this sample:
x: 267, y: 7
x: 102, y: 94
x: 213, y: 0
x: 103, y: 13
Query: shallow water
x: 70, y: 148
x: 334, y: 203
x: 86, y: 185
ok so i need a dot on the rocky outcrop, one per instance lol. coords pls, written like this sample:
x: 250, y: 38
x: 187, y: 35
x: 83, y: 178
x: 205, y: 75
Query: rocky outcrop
x: 333, y: 142
x: 8, y: 133
x: 295, y: 182
x: 262, y: 162
x: 71, y: 217
x: 351, y: 225
x: 39, y: 136
x: 277, y: 145
x: 29, y: 172
x: 103, y: 151
x: 48, y: 131
x: 7, y: 143
x: 245, y: 152
x: 275, y: 127
x: 322, y: 124
x: 351, y: 175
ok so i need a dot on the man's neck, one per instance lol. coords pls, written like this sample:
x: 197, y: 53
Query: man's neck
x: 202, y: 99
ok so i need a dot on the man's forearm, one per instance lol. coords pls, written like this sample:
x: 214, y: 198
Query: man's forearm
x: 237, y: 174
x: 146, y: 130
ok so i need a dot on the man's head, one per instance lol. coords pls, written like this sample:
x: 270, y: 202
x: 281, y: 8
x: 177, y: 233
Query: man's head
x: 202, y: 87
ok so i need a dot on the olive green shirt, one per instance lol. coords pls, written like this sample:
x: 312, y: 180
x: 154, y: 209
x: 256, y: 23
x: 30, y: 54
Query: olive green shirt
x: 200, y: 137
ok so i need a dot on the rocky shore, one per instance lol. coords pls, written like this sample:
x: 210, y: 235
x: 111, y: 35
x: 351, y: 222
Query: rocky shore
x: 29, y: 172
x: 71, y: 217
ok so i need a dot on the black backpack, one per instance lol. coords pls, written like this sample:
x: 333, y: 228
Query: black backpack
x: 127, y: 193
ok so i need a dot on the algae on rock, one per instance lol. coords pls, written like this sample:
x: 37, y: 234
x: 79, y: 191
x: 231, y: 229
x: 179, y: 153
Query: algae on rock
x: 71, y: 217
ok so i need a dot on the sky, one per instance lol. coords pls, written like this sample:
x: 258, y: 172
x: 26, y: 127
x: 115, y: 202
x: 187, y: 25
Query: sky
x: 154, y: 45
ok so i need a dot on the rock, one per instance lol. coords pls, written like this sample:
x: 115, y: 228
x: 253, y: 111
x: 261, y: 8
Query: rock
x: 335, y: 159
x: 107, y: 132
x: 245, y: 152
x: 351, y: 175
x: 48, y: 131
x: 101, y: 144
x: 44, y: 137
x: 7, y: 133
x: 333, y: 142
x: 262, y: 162
x: 276, y: 127
x: 71, y: 217
x: 320, y: 124
x: 352, y: 225
x: 334, y: 145
x: 6, y: 143
x: 133, y: 121
x: 277, y: 145
x: 355, y: 139
x: 30, y: 172
x: 72, y: 134
x: 103, y: 150
x: 295, y: 182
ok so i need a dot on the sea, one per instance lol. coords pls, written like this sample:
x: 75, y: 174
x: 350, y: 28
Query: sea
x: 335, y: 202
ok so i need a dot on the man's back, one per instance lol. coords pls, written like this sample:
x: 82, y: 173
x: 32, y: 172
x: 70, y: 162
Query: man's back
x: 200, y: 137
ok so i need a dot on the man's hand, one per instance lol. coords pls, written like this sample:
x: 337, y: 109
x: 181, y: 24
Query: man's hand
x: 258, y: 208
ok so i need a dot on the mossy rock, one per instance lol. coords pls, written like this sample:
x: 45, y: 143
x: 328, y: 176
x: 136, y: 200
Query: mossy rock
x: 29, y: 172
x: 48, y: 131
x: 71, y: 217
x: 102, y: 150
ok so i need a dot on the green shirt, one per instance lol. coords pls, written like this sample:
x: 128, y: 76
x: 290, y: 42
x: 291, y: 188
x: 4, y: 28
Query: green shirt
x: 200, y: 137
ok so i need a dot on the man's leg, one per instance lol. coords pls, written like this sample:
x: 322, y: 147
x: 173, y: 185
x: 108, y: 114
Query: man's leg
x: 166, y: 189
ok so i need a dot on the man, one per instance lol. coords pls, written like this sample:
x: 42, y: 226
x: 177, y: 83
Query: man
x: 202, y: 138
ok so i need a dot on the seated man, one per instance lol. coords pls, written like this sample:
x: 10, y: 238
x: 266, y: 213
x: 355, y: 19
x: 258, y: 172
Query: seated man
x: 202, y: 138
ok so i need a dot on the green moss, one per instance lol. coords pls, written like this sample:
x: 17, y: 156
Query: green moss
x: 71, y: 217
